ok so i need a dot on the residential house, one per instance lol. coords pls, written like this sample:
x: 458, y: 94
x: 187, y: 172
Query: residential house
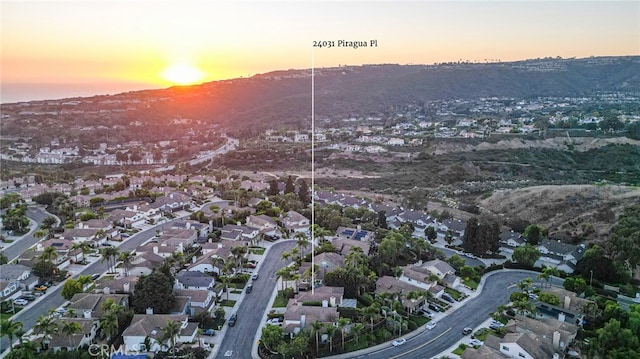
x: 126, y: 218
x: 265, y: 224
x: 387, y: 284
x: 14, y: 278
x: 62, y: 341
x: 417, y: 276
x: 61, y: 245
x: 298, y: 317
x: 151, y: 326
x: 295, y: 222
x: 199, y: 300
x: 100, y: 224
x: 356, y: 234
x: 80, y: 235
x: 202, y: 229
x: 238, y: 233
x: 457, y: 226
x: 177, y: 238
x: 175, y: 201
x: 439, y: 267
x: 194, y: 280
x: 555, y: 253
x: 527, y: 338
x: 91, y: 305
x: 344, y: 246
x: 145, y: 260
x: 328, y: 261
x: 328, y: 296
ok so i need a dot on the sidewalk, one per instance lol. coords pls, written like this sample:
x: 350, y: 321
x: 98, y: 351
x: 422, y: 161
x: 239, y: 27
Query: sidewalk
x: 220, y: 334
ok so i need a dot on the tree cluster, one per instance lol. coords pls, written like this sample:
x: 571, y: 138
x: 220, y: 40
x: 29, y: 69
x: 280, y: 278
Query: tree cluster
x: 481, y: 235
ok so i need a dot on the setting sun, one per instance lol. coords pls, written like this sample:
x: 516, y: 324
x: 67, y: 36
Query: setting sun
x: 183, y: 74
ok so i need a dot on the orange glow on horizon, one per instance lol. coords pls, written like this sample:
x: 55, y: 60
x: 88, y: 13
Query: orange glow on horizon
x: 183, y: 74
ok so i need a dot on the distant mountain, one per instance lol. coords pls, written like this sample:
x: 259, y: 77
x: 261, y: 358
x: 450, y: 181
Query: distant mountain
x: 284, y: 97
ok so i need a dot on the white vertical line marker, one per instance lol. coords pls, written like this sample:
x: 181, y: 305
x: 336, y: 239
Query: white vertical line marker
x: 313, y: 141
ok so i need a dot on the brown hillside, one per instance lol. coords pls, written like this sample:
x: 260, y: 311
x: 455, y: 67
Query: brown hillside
x: 572, y: 212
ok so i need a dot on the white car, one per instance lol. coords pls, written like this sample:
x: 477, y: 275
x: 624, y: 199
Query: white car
x: 20, y: 302
x: 475, y: 342
x: 431, y: 325
x: 398, y: 342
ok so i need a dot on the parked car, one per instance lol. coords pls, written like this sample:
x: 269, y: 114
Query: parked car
x: 209, y: 332
x: 20, y: 302
x: 434, y: 307
x: 495, y: 324
x: 467, y: 331
x: 233, y: 319
x: 254, y: 276
x: 274, y: 321
x: 431, y: 325
x: 41, y: 288
x: 95, y: 276
x: 398, y: 342
x: 448, y: 298
x: 249, y: 288
x: 426, y: 313
x: 475, y: 342
x: 28, y: 297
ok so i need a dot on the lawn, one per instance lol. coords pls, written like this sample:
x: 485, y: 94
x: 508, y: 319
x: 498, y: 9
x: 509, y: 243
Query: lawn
x: 470, y: 283
x: 460, y: 349
x: 228, y: 303
x: 257, y: 250
x: 453, y: 293
x: 420, y: 320
x: 280, y: 301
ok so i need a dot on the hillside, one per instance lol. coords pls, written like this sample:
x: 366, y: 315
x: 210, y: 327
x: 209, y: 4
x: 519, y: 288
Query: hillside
x: 570, y: 212
x: 283, y: 98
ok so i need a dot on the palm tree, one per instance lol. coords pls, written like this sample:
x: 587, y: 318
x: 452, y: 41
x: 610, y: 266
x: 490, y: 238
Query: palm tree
x: 109, y: 321
x: 85, y: 249
x: 357, y: 328
x: 283, y: 274
x: 302, y: 242
x: 109, y: 254
x: 71, y: 313
x: 45, y: 326
x: 49, y: 254
x: 316, y: 327
x: 170, y: 331
x: 525, y: 284
x: 10, y: 329
x: 74, y: 248
x: 126, y: 258
x: 69, y: 329
x: 342, y: 323
x: 331, y: 330
x: 373, y: 312
x: 226, y: 281
x: 294, y: 253
x: 285, y: 256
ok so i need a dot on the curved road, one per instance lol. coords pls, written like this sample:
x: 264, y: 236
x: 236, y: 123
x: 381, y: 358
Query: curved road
x: 19, y: 246
x: 496, y: 290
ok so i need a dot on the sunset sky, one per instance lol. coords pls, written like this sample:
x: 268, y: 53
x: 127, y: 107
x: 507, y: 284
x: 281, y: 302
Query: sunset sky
x: 79, y: 48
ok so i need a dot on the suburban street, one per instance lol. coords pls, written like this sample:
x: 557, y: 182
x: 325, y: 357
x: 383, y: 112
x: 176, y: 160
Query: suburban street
x: 238, y: 340
x: 53, y: 298
x: 15, y: 249
x: 497, y: 288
